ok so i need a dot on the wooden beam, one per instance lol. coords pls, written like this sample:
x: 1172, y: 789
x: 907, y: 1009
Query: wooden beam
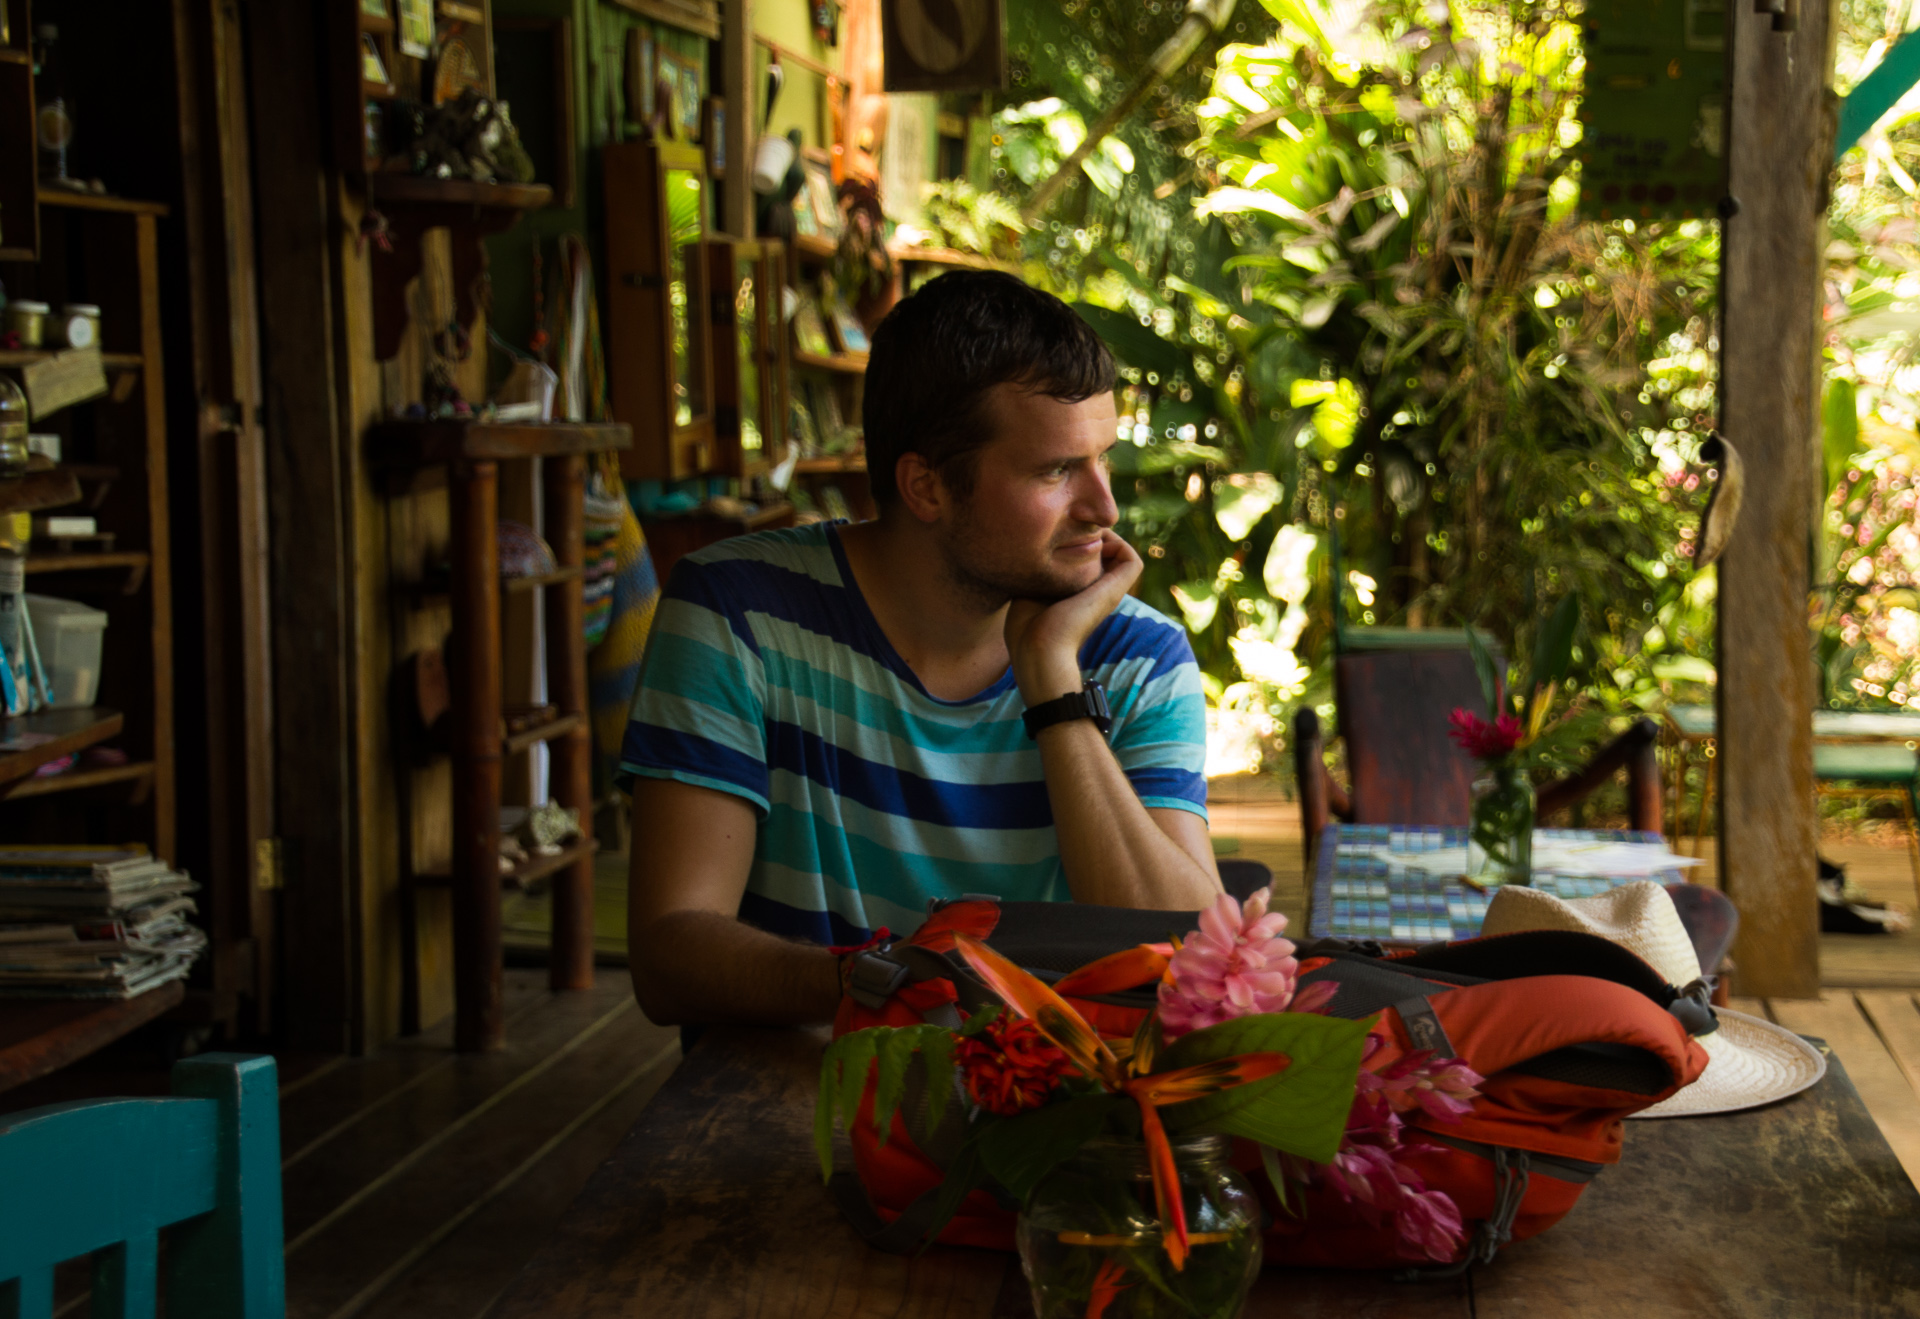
x: 308, y: 500
x: 1780, y: 134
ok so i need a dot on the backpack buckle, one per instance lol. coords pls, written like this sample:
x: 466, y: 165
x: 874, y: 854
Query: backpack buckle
x: 873, y: 977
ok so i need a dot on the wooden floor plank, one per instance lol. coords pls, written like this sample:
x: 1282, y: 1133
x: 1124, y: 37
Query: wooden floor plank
x: 463, y: 1274
x: 331, y: 1268
x: 1896, y: 1020
x: 331, y: 1101
x: 369, y: 1150
x: 1837, y: 1018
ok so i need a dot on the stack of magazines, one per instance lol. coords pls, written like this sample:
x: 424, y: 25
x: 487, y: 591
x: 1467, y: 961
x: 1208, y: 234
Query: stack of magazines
x: 92, y: 922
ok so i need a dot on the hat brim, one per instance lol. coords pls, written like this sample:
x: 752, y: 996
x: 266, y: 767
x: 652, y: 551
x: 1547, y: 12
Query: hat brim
x: 1754, y: 1063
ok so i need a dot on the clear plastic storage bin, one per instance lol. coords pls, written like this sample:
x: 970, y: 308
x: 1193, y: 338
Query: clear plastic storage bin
x: 70, y: 636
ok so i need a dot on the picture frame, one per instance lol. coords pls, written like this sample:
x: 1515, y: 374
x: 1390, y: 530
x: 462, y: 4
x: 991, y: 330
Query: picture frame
x: 848, y: 332
x: 820, y: 192
x: 463, y: 56
x: 640, y: 101
x: 679, y: 76
x: 805, y: 222
x: 810, y: 328
x: 800, y: 422
x: 416, y: 28
x: 373, y: 69
x: 376, y: 9
x: 713, y: 135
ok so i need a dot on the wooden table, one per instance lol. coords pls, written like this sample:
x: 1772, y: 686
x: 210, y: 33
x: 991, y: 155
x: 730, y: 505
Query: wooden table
x: 713, y: 1206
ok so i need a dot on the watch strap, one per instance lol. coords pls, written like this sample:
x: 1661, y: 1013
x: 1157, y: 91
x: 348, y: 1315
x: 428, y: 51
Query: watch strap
x: 1090, y: 702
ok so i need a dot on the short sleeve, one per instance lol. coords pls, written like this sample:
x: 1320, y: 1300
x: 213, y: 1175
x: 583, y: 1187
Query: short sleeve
x: 699, y: 709
x: 1159, y: 733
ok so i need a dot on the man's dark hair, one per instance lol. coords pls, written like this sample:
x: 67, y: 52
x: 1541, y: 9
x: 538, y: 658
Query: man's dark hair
x: 939, y: 352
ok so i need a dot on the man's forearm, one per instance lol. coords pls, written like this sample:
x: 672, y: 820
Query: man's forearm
x: 1114, y: 854
x: 700, y: 967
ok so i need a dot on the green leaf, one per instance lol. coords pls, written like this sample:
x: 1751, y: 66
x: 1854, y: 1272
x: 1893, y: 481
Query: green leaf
x: 1840, y: 429
x: 1133, y: 343
x: 965, y: 1174
x: 1302, y: 1110
x: 855, y: 1051
x: 938, y: 1061
x: 1483, y: 665
x: 1553, y: 650
x: 1270, y: 1160
x: 823, y: 1114
x: 1018, y: 1151
x: 979, y: 1021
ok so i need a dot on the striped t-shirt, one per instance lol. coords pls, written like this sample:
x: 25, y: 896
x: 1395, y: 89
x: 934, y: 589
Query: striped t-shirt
x: 767, y: 676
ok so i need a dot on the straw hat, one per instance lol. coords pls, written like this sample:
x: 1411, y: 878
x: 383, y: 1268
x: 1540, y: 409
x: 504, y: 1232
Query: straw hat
x: 1750, y: 1061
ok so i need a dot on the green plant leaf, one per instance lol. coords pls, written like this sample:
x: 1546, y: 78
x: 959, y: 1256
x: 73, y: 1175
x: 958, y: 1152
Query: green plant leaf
x: 1840, y: 429
x: 1483, y: 666
x: 1302, y: 1110
x: 1133, y: 343
x: 1018, y: 1151
x: 896, y: 1052
x: 1553, y: 650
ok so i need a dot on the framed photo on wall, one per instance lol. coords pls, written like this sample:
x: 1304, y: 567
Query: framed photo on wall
x: 820, y: 193
x: 416, y: 28
x: 713, y: 135
x: 639, y: 77
x: 679, y: 75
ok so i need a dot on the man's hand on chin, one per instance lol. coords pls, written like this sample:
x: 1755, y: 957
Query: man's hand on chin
x: 1044, y: 637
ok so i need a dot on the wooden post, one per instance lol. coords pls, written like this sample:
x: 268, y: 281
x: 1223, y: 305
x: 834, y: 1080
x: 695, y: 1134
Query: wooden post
x: 570, y: 767
x: 473, y: 496
x: 1779, y: 142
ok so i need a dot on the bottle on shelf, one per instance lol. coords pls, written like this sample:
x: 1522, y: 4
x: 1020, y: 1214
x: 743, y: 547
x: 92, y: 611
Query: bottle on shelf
x: 14, y: 450
x: 55, y: 117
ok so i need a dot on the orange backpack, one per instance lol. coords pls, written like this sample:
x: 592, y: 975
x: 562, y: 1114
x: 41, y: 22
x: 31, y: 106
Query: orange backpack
x: 1570, y: 1032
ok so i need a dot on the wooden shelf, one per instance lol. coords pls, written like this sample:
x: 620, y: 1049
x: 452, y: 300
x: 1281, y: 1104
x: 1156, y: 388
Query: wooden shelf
x: 10, y: 55
x: 41, y: 1036
x: 838, y: 463
x: 416, y: 189
x: 74, y: 780
x: 417, y: 443
x: 375, y: 22
x: 514, y: 743
x: 88, y: 201
x: 540, y: 580
x: 814, y: 249
x: 852, y: 364
x: 947, y: 256
x: 28, y: 356
x: 533, y: 868
x: 48, y: 488
x: 54, y: 733
x: 135, y: 562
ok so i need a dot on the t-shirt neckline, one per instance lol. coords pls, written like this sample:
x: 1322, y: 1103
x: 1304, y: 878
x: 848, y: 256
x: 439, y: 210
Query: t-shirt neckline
x: 883, y: 645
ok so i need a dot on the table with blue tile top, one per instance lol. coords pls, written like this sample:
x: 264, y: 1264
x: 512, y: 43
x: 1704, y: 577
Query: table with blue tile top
x: 1356, y: 895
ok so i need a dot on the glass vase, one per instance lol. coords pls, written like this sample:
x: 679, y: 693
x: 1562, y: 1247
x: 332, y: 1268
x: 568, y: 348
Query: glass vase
x: 1502, y: 828
x: 1090, y: 1233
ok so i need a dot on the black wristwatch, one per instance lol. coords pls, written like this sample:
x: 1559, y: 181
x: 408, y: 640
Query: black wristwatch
x: 1088, y: 703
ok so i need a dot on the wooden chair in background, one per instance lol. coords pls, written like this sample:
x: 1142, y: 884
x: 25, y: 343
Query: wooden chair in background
x: 1405, y: 769
x: 102, y: 1177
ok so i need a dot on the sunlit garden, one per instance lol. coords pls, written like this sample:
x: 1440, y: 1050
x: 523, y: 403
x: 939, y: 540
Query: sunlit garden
x: 1383, y: 371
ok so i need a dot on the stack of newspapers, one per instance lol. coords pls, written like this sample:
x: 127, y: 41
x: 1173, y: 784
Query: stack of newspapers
x: 92, y: 922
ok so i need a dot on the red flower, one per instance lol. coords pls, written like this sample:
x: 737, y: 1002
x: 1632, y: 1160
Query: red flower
x: 1483, y: 740
x: 1010, y: 1066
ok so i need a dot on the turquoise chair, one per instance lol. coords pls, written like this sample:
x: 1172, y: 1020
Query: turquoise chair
x: 104, y: 1176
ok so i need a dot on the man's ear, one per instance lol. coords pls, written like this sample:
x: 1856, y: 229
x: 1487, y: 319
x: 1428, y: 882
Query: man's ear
x: 922, y: 491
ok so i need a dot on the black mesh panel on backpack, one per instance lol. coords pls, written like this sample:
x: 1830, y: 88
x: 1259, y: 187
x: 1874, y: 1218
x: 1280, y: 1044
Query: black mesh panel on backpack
x: 1065, y: 936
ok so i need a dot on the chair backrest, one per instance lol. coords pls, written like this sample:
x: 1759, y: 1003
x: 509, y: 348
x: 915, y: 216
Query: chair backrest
x: 1393, y: 715
x: 1242, y: 876
x: 104, y: 1176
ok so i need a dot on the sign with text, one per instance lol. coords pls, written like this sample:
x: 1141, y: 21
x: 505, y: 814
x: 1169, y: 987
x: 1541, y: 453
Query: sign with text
x: 1653, y: 112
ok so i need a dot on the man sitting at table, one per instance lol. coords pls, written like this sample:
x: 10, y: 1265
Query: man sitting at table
x: 836, y: 723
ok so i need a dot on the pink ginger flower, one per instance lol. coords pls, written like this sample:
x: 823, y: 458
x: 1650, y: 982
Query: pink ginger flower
x: 1443, y: 1087
x: 1234, y: 965
x: 1382, y: 1187
x: 1483, y: 740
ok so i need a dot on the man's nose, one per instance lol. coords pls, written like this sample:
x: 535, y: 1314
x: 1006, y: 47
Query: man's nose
x: 1094, y: 502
